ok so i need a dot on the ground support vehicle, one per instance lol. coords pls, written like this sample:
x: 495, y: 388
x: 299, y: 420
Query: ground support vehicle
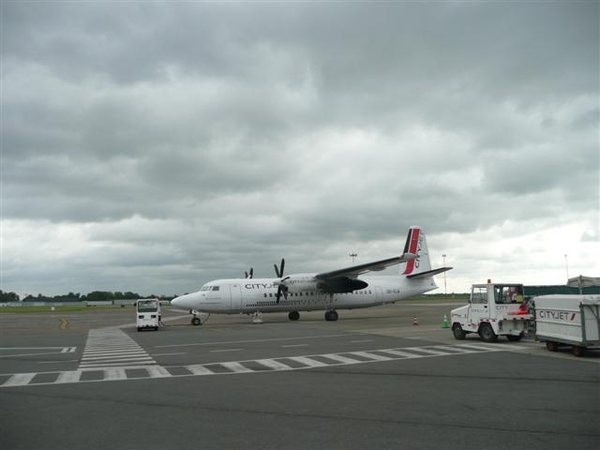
x: 147, y: 314
x: 568, y: 320
x: 494, y: 309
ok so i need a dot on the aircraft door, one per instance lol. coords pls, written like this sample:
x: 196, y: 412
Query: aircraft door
x: 478, y: 309
x: 235, y: 291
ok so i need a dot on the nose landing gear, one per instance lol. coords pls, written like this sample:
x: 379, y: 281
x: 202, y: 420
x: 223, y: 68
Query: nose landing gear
x: 199, y: 318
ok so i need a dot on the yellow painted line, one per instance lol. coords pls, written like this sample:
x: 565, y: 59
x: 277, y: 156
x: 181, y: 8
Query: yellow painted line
x: 63, y: 324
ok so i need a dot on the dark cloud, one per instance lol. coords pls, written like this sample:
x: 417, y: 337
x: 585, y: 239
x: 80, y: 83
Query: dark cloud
x: 154, y: 146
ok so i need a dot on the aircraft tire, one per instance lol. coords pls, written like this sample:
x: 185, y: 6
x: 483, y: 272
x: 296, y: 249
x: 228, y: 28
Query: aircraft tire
x: 331, y: 316
x: 293, y: 315
x: 196, y: 321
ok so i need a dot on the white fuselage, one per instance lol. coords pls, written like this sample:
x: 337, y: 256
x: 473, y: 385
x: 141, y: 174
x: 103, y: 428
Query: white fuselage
x: 247, y: 296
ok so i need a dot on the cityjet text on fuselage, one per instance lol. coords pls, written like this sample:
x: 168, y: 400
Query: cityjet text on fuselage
x: 251, y: 286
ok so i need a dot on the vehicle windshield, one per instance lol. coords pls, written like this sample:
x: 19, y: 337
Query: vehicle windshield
x: 147, y: 306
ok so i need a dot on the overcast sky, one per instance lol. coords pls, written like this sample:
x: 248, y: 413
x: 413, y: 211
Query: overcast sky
x: 152, y: 147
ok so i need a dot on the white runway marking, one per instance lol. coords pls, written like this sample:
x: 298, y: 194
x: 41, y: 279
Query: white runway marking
x: 109, y: 347
x: 136, y: 370
x: 50, y: 351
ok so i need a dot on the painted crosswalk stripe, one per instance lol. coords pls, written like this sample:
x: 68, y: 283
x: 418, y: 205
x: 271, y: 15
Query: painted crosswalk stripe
x: 158, y: 372
x: 429, y: 351
x: 199, y: 369
x: 307, y: 361
x: 272, y: 364
x: 19, y: 379
x: 456, y: 349
x: 129, y: 369
x: 71, y: 376
x: 400, y: 353
x: 110, y: 347
x: 129, y: 362
x: 341, y: 359
x: 481, y: 347
x: 372, y: 356
x: 236, y: 367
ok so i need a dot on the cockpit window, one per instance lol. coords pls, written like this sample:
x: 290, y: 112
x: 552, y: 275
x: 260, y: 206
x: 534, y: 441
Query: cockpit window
x: 215, y: 288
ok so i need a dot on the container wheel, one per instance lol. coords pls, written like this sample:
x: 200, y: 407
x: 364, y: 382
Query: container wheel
x: 486, y: 333
x: 551, y: 346
x: 577, y: 350
x: 458, y: 332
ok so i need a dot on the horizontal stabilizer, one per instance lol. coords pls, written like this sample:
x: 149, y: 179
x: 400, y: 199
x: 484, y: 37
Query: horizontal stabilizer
x: 429, y: 273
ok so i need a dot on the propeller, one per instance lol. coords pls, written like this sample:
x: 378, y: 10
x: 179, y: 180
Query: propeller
x: 250, y: 274
x: 279, y: 271
x: 281, y: 288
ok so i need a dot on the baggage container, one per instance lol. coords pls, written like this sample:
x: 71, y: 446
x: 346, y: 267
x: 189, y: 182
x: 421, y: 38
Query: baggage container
x: 572, y: 320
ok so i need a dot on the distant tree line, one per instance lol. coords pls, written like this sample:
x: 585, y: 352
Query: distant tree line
x: 95, y: 296
x: 6, y: 297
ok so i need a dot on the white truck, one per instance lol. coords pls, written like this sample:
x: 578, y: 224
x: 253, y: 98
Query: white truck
x: 147, y: 313
x: 494, y: 309
x: 568, y: 320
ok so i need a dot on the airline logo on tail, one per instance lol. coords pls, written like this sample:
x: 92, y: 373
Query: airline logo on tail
x: 414, y: 245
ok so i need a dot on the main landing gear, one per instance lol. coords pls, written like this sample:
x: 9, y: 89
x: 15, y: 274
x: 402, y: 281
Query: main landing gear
x: 331, y: 316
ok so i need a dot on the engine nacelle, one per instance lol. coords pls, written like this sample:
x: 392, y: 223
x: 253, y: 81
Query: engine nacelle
x: 308, y: 282
x: 300, y: 283
x: 342, y: 285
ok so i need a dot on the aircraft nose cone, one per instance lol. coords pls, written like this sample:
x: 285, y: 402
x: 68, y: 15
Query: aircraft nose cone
x: 183, y: 302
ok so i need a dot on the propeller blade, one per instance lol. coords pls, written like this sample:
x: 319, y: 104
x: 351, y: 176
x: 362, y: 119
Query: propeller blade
x: 279, y: 270
x: 281, y: 289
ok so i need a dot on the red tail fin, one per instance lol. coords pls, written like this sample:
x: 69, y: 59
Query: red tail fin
x: 417, y: 245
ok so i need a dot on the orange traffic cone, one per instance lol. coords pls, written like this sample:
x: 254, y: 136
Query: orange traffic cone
x: 415, y: 320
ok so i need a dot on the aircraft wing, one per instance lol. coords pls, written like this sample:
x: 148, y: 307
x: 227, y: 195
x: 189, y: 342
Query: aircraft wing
x: 355, y: 271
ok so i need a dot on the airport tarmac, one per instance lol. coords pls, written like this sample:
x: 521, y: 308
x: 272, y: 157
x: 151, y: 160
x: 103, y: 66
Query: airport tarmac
x: 370, y: 380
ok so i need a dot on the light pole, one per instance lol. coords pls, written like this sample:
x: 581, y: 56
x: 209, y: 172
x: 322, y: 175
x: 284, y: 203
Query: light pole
x: 567, y: 266
x: 445, y: 291
x: 353, y: 255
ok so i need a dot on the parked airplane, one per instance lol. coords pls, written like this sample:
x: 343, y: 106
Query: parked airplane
x: 329, y: 291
